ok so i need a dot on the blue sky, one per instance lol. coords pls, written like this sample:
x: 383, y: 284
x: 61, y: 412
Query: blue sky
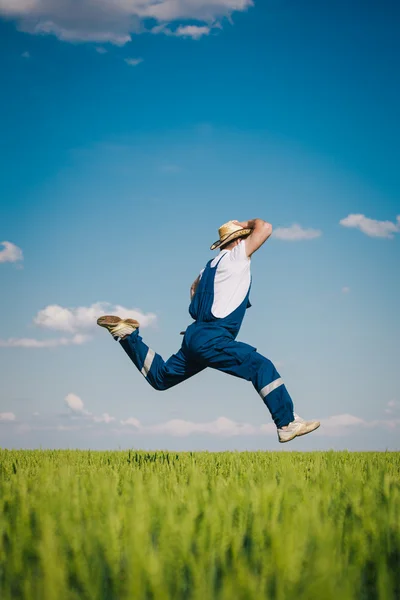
x: 130, y: 132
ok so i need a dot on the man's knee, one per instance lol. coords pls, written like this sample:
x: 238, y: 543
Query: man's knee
x: 158, y: 384
x: 162, y: 380
x: 261, y: 362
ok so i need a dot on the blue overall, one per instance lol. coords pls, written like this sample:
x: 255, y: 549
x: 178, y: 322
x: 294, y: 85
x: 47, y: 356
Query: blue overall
x: 211, y: 342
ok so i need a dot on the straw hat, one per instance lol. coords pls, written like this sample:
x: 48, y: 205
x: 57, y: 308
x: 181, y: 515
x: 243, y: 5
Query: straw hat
x: 229, y: 232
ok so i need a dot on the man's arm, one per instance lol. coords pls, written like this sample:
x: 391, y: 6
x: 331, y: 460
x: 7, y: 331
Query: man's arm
x: 194, y: 287
x: 260, y: 232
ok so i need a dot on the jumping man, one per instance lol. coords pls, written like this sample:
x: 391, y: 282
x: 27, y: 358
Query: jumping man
x: 219, y: 299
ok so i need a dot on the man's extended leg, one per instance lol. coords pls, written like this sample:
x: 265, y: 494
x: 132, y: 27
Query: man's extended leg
x: 269, y: 384
x: 160, y: 375
x: 242, y: 360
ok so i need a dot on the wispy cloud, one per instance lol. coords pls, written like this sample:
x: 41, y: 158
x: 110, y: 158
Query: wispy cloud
x: 334, y: 426
x: 195, y: 32
x: 296, y: 233
x: 133, y: 62
x: 7, y: 416
x: 10, y: 253
x: 192, y: 31
x: 77, y: 409
x: 345, y: 290
x: 100, y: 50
x: 344, y: 420
x: 115, y: 22
x: 132, y: 421
x: 181, y: 428
x: 372, y: 227
x: 79, y: 418
x: 340, y: 425
x: 76, y: 340
x: 25, y: 55
x: 393, y: 408
x: 104, y: 418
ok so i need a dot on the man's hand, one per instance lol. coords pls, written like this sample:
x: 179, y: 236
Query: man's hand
x: 260, y: 232
x: 244, y: 225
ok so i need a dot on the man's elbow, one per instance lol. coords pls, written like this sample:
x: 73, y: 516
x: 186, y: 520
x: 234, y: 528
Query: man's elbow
x: 267, y: 229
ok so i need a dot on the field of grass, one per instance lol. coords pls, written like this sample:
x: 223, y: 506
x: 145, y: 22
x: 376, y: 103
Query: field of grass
x: 230, y: 526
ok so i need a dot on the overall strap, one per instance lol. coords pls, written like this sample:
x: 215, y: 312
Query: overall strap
x: 216, y: 266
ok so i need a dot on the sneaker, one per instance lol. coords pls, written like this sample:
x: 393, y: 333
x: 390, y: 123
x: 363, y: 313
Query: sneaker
x: 310, y: 425
x: 297, y: 428
x: 119, y: 328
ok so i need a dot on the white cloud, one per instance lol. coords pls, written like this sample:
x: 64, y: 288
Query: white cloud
x: 77, y: 408
x: 59, y: 318
x: 340, y: 424
x: 193, y: 31
x: 104, y: 418
x: 392, y: 407
x: 344, y: 420
x: 268, y: 428
x: 79, y: 418
x: 221, y: 426
x: 101, y: 50
x: 25, y: 55
x: 336, y: 425
x: 201, y: 10
x: 78, y: 31
x: 133, y: 62
x: 180, y: 428
x: 76, y: 340
x: 114, y: 20
x: 7, y: 416
x: 74, y: 403
x: 9, y: 7
x: 372, y: 227
x: 11, y: 252
x: 63, y: 428
x: 225, y: 427
x: 71, y: 320
x: 345, y: 290
x: 132, y: 421
x: 296, y: 233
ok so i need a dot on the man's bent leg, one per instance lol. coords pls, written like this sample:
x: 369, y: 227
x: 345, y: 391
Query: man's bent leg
x: 160, y: 375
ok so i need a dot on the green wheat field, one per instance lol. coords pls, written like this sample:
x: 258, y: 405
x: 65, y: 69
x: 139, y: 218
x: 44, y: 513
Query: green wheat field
x: 232, y: 526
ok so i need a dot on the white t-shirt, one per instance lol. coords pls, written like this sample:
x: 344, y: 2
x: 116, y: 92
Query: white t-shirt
x: 232, y: 280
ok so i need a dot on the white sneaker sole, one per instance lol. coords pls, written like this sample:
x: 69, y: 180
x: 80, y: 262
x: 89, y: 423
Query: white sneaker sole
x: 312, y: 426
x: 116, y: 324
x: 303, y: 431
